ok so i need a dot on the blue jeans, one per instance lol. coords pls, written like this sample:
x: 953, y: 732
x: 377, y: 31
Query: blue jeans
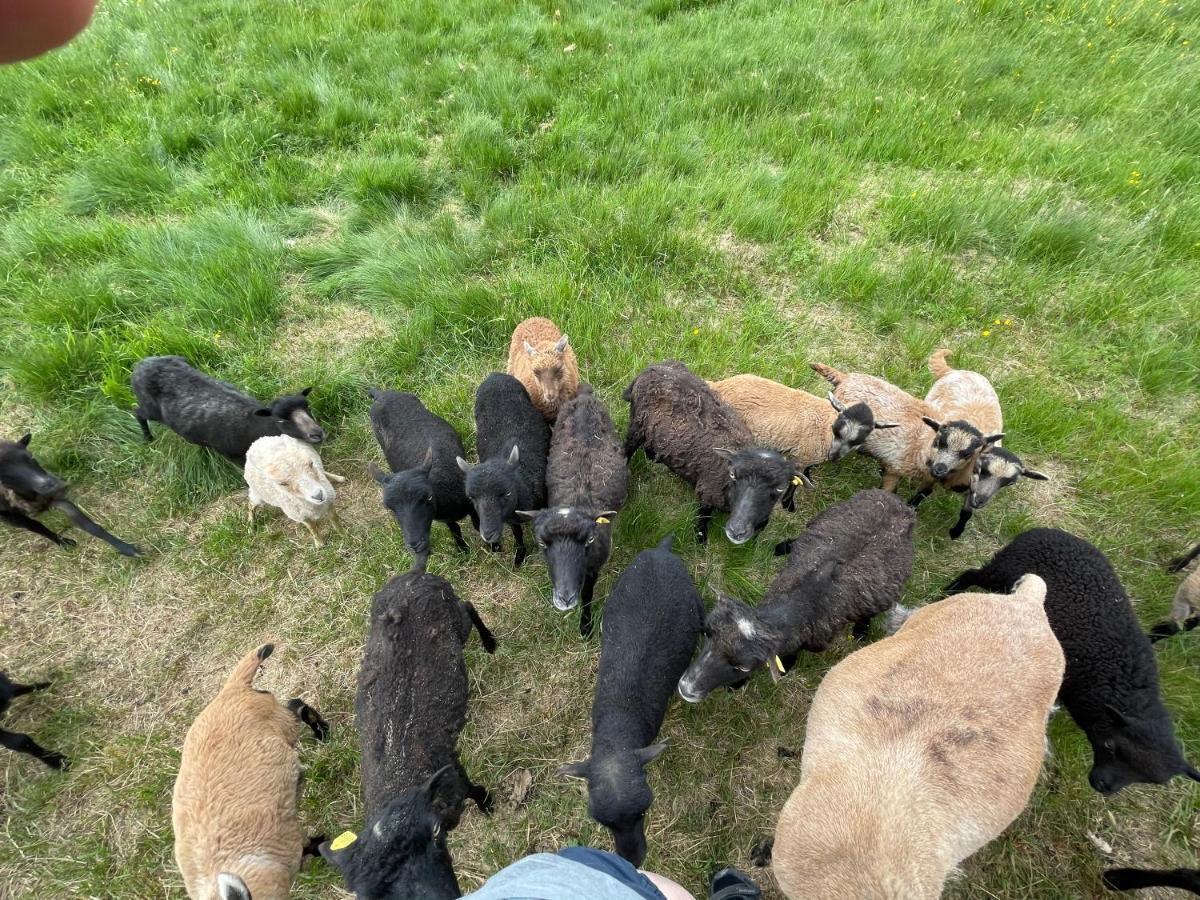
x: 614, y: 867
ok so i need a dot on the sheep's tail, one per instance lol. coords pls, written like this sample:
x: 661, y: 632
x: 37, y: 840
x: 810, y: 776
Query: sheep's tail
x: 374, y: 393
x: 666, y: 542
x: 627, y: 394
x: 829, y: 373
x: 937, y: 363
x: 584, y: 388
x: 896, y: 617
x: 243, y: 673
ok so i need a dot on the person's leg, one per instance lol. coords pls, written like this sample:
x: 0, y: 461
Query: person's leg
x: 670, y: 889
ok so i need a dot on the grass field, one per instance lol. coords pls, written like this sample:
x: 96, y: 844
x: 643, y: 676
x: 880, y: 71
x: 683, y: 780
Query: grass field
x: 373, y: 193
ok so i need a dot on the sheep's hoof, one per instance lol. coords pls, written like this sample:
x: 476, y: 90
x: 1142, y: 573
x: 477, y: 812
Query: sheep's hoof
x: 760, y: 854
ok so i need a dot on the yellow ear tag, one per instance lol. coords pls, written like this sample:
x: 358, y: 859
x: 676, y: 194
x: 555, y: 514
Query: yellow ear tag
x: 779, y: 665
x: 343, y: 840
x: 602, y: 521
x: 796, y: 480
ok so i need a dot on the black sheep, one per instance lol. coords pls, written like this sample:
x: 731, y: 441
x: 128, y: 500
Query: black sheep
x: 652, y: 621
x: 212, y: 413
x: 1138, y: 879
x: 586, y: 482
x: 421, y: 449
x: 1111, y: 684
x: 512, y: 439
x: 850, y: 564
x: 15, y: 740
x: 410, y: 707
x: 27, y: 490
x: 683, y: 424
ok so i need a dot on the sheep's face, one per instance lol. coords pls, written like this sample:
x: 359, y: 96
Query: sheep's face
x: 548, y: 369
x: 410, y: 497
x: 574, y: 542
x: 305, y: 481
x: 493, y: 489
x: 1131, y: 750
x: 295, y: 418
x: 995, y: 469
x: 758, y: 480
x: 955, y: 444
x: 619, y: 795
x: 736, y: 642
x: 853, y: 425
x: 401, y: 853
x: 21, y: 473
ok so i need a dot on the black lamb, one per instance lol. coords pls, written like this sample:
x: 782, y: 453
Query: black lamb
x: 410, y: 707
x: 27, y: 490
x: 1111, y: 683
x: 421, y: 449
x: 212, y: 413
x: 15, y: 740
x: 683, y: 424
x: 651, y: 623
x: 587, y: 482
x: 850, y: 564
x: 512, y: 439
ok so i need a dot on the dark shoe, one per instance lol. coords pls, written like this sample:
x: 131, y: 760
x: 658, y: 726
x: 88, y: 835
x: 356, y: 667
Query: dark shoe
x: 730, y: 884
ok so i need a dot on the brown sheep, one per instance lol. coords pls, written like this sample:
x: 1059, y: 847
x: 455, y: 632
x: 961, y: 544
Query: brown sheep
x: 920, y: 749
x: 237, y: 834
x: 541, y: 358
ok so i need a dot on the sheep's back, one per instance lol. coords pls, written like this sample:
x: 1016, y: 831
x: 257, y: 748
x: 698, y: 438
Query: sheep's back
x: 905, y: 447
x: 504, y: 415
x: 411, y: 702
x: 785, y: 419
x: 406, y: 429
x: 966, y: 395
x: 586, y: 464
x: 176, y: 387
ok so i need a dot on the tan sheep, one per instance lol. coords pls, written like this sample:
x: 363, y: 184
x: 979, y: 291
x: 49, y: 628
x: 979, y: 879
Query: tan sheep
x: 288, y: 474
x: 541, y: 358
x: 1187, y: 598
x: 920, y: 749
x: 234, y: 808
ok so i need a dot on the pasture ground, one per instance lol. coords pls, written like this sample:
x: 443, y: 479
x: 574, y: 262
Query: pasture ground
x: 354, y: 194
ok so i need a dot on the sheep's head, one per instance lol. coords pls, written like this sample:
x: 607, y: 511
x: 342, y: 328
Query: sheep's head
x: 401, y: 853
x: 492, y: 487
x: 303, y: 479
x: 410, y: 497
x: 21, y: 473
x: 995, y: 469
x: 736, y: 642
x: 853, y: 425
x: 619, y: 795
x: 573, y: 540
x: 1128, y: 749
x: 547, y: 363
x: 758, y: 479
x: 955, y: 444
x: 294, y: 418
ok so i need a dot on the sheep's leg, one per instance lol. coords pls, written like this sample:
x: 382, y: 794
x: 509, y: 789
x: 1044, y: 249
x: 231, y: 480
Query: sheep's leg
x: 919, y: 497
x: 760, y: 854
x: 336, y: 479
x: 335, y: 519
x: 967, y: 579
x: 890, y: 481
x: 788, y: 500
x: 20, y: 520
x: 20, y: 690
x: 23, y: 743
x: 144, y: 423
x: 456, y: 533
x: 474, y: 519
x: 633, y: 439
x: 783, y: 548
x: 316, y: 535
x: 481, y: 796
x: 519, y: 537
x: 585, y: 607
x: 310, y: 717
x: 703, y: 519
x: 964, y: 517
x: 251, y: 508
x: 312, y: 847
x: 83, y: 523
x: 485, y: 636
x: 861, y: 629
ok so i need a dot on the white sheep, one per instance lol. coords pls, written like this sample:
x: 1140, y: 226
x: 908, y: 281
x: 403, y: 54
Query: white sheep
x: 288, y: 474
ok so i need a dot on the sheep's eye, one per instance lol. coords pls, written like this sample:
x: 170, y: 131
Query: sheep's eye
x: 429, y: 499
x: 592, y: 539
x: 742, y: 668
x: 437, y: 829
x: 779, y: 490
x: 733, y: 476
x: 542, y: 544
x: 508, y: 494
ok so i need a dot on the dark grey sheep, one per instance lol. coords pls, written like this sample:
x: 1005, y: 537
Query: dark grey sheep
x: 587, y: 482
x: 15, y: 740
x: 1139, y: 879
x: 410, y: 707
x: 651, y: 623
x: 683, y: 424
x: 1111, y: 683
x: 427, y: 484
x: 850, y: 564
x: 212, y: 413
x: 512, y: 440
x: 27, y: 490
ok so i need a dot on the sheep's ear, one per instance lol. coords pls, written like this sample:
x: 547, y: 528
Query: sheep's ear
x: 575, y: 769
x: 801, y: 479
x: 514, y: 457
x: 1035, y: 475
x: 561, y: 344
x: 606, y: 517
x: 427, y: 462
x: 264, y: 412
x: 431, y: 783
x: 25, y: 439
x: 377, y: 473
x: 724, y: 453
x: 836, y: 403
x: 463, y: 464
x: 932, y: 423
x: 887, y: 424
x: 651, y: 753
x: 1190, y: 771
x: 306, y: 392
x: 336, y: 851
x: 231, y: 887
x: 530, y: 349
x: 993, y: 438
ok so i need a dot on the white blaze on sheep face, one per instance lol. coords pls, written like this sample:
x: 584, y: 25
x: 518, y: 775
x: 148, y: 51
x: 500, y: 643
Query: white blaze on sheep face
x: 746, y: 627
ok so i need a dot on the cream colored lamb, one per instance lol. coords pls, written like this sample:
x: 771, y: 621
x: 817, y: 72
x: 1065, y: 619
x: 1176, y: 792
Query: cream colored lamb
x: 286, y: 473
x: 920, y: 749
x: 964, y: 396
x: 237, y: 835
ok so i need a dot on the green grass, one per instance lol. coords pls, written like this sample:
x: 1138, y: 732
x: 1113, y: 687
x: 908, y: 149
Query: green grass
x: 339, y: 195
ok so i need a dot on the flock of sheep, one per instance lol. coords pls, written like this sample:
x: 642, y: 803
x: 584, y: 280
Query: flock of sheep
x: 919, y: 748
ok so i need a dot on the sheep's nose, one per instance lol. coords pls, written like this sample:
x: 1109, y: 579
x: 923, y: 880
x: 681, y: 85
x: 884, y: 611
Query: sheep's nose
x: 315, y: 437
x: 565, y: 601
x: 939, y: 469
x: 318, y: 496
x: 739, y: 535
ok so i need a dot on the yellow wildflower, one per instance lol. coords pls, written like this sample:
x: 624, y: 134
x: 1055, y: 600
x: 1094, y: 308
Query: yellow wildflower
x: 987, y: 332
